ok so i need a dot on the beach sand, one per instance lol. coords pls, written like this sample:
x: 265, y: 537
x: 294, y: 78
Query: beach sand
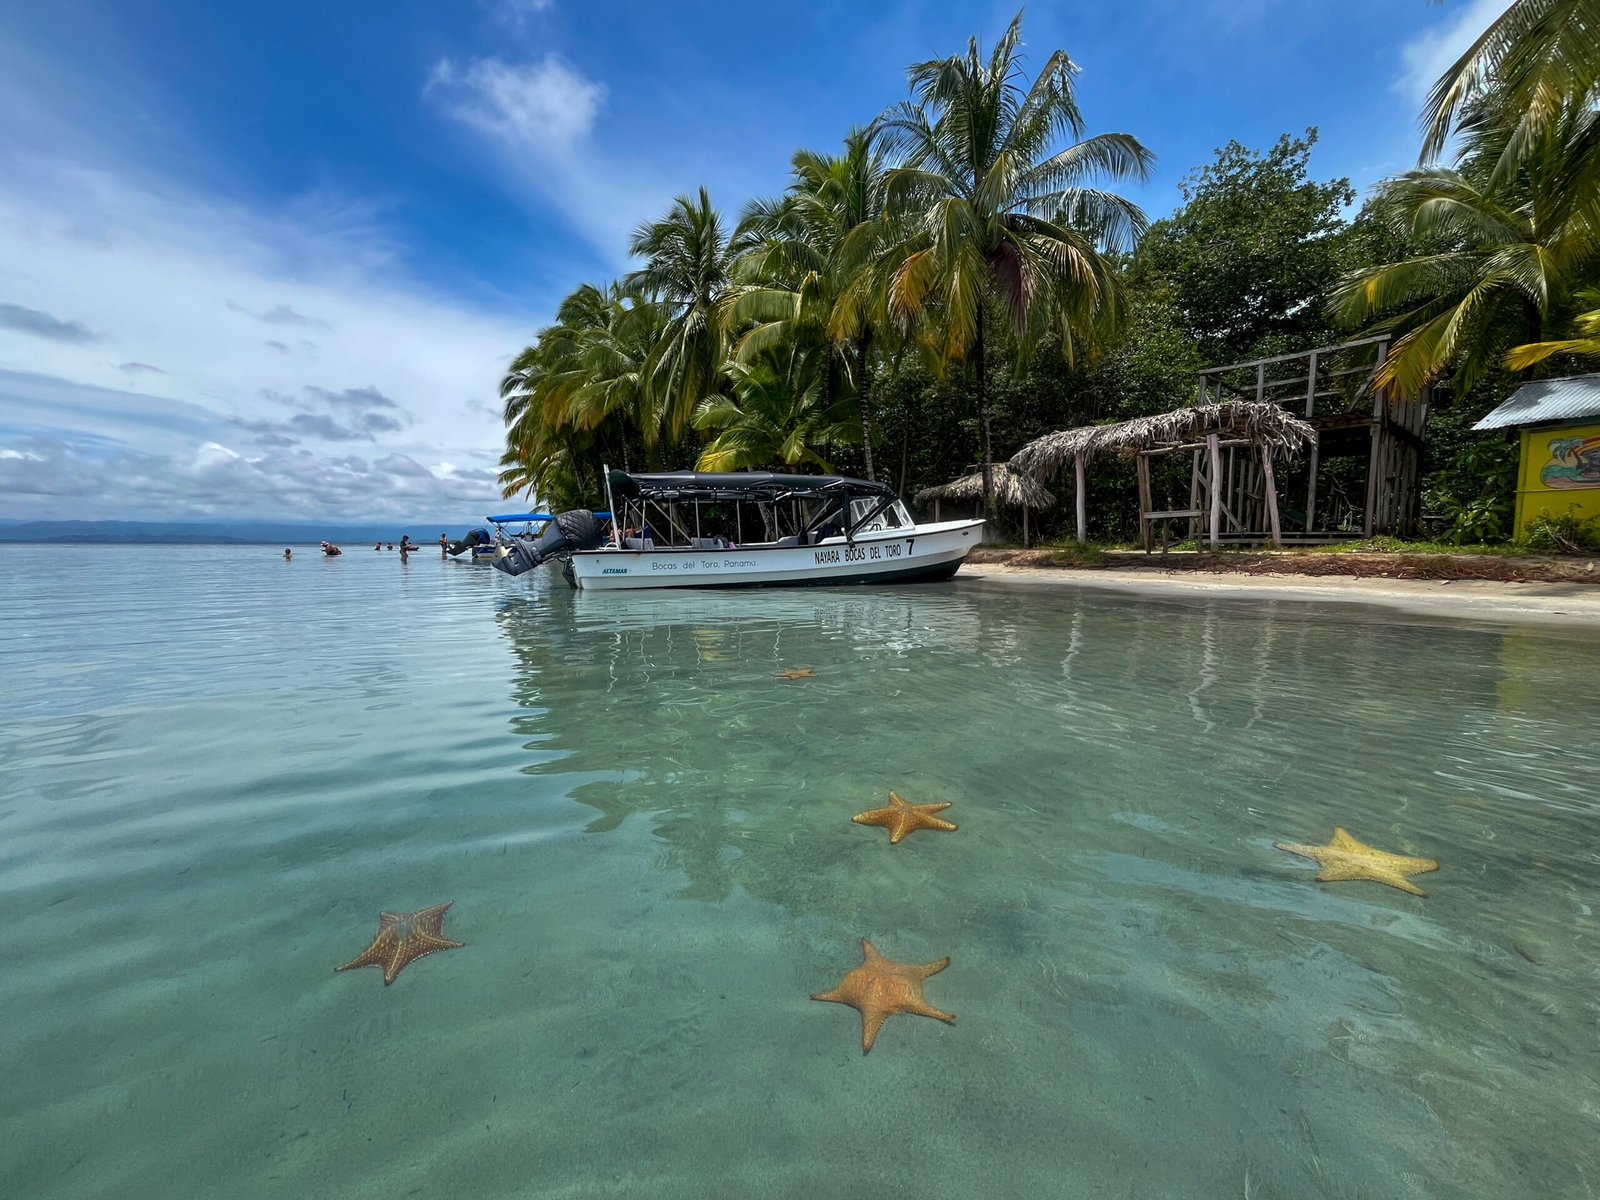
x: 1488, y: 600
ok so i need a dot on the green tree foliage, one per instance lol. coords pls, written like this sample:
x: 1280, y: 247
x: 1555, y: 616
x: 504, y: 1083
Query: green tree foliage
x: 1509, y: 247
x: 688, y: 268
x: 1585, y: 343
x: 779, y: 413
x: 1248, y: 262
x: 800, y: 263
x: 998, y: 213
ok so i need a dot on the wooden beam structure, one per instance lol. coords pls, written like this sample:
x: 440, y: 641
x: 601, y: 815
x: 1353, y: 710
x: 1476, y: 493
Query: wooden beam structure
x: 1370, y: 438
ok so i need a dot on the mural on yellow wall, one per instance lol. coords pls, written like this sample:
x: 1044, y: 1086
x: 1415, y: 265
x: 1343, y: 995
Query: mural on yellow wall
x: 1574, y: 463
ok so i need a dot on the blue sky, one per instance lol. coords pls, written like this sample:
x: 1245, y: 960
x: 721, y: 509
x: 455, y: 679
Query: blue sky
x: 271, y: 260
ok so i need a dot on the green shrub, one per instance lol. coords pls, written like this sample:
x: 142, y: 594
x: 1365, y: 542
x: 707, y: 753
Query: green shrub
x: 1566, y: 534
x: 1474, y: 494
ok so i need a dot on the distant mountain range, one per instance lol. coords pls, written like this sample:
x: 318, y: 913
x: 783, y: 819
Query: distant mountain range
x: 223, y: 533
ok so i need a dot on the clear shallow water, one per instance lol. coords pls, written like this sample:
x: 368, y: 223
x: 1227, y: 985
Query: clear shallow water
x: 216, y: 769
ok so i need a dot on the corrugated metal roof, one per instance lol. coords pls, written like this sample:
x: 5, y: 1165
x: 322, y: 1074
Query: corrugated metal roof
x: 1547, y: 400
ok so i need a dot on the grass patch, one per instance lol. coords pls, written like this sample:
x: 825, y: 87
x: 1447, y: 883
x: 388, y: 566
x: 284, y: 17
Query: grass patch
x: 1073, y: 554
x: 1394, y: 545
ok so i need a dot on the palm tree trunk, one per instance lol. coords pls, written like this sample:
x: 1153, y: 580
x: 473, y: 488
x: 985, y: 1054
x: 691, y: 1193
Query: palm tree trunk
x: 983, y: 417
x: 861, y: 398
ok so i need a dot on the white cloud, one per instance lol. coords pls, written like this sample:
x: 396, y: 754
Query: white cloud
x: 540, y: 120
x: 543, y: 104
x: 192, y: 282
x: 1430, y: 53
x: 514, y: 14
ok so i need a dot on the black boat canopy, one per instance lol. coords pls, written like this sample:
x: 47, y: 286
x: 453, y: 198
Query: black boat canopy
x: 742, y: 485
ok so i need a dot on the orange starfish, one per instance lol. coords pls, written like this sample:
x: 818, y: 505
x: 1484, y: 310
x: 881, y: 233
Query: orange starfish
x: 880, y: 988
x: 901, y: 818
x: 794, y: 673
x: 403, y: 938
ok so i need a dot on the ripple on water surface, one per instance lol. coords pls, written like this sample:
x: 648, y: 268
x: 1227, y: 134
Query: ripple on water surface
x: 216, y: 769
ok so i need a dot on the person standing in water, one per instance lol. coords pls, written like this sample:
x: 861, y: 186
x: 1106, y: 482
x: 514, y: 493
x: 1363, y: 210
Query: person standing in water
x: 288, y: 554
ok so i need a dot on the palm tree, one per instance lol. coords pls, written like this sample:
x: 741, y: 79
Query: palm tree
x: 799, y: 255
x: 542, y: 446
x: 1587, y: 342
x: 1533, y: 61
x: 619, y: 387
x: 779, y: 414
x: 1511, y: 248
x: 999, y: 214
x: 688, y: 270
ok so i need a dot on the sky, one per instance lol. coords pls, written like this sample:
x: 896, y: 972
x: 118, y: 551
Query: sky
x: 271, y: 261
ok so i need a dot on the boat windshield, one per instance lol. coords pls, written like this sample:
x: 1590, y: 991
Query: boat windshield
x: 893, y: 517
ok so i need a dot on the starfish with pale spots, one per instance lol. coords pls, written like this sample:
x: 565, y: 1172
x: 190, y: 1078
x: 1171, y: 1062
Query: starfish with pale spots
x: 879, y: 989
x: 1346, y: 858
x: 902, y: 819
x: 402, y: 939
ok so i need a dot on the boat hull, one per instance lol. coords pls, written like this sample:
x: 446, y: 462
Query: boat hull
x: 924, y: 552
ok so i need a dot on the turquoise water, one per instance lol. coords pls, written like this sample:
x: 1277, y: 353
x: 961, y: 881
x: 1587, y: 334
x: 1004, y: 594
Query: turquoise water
x: 216, y: 769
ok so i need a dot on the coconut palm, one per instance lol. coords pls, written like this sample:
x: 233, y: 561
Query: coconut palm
x: 539, y: 384
x: 1533, y: 61
x: 1510, y: 249
x: 618, y: 385
x: 798, y: 256
x: 779, y: 414
x: 688, y: 270
x: 542, y: 446
x: 1000, y: 213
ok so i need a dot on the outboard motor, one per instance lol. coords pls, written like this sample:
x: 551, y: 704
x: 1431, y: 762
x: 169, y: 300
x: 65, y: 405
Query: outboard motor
x: 474, y: 537
x: 571, y: 531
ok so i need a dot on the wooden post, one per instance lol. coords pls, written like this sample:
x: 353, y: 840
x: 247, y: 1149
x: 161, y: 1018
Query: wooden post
x: 1024, y: 524
x: 1194, y: 496
x: 1083, y: 521
x: 1311, y: 486
x: 1374, y: 461
x: 1143, y: 467
x: 1216, y: 488
x: 936, y: 508
x: 1270, y: 487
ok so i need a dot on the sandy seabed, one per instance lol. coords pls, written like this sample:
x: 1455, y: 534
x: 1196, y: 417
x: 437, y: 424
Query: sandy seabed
x: 1489, y: 600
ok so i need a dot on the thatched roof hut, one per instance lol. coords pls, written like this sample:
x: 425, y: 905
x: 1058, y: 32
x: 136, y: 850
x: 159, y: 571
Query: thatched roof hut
x: 1257, y: 424
x: 1011, y: 488
x: 1263, y: 429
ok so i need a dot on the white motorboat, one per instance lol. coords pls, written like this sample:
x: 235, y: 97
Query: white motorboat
x: 747, y: 529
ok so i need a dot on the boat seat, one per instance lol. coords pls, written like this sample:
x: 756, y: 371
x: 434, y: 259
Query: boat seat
x: 633, y: 543
x: 794, y: 539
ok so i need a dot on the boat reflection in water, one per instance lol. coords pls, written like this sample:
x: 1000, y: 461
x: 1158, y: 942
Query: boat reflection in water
x: 673, y: 705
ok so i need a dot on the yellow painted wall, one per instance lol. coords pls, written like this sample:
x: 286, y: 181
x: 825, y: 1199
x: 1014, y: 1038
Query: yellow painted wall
x: 1559, y: 472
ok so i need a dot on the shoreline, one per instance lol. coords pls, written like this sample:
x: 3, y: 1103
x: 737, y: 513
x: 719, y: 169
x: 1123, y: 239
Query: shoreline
x: 1480, y: 599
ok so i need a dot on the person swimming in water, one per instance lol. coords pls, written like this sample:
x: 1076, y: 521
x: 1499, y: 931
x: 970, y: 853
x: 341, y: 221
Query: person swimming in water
x: 288, y: 554
x: 330, y: 549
